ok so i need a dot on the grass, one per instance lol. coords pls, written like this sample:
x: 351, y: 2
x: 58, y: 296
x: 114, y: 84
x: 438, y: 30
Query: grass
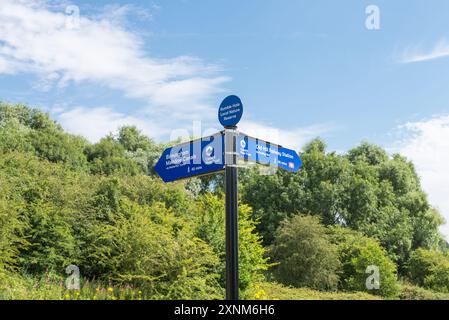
x: 51, y: 287
x: 274, y: 291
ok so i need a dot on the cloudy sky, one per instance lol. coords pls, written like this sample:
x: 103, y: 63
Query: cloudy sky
x: 302, y: 68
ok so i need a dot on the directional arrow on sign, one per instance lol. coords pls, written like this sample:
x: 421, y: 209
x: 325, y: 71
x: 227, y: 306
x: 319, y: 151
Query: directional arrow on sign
x: 193, y: 158
x: 267, y: 153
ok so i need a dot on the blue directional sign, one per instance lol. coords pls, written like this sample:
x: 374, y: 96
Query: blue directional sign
x: 230, y: 111
x: 194, y: 158
x: 266, y: 153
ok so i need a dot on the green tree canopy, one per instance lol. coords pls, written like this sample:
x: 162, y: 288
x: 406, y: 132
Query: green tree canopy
x: 365, y: 190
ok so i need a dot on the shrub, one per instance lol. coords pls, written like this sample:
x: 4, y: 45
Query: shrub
x: 357, y: 253
x: 429, y: 269
x: 304, y: 255
x: 147, y: 246
x: 210, y: 226
x: 411, y: 292
x: 11, y: 234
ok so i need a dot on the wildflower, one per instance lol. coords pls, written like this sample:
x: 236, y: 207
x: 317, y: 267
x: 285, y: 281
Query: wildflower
x: 110, y: 289
x: 67, y: 296
x: 260, y: 295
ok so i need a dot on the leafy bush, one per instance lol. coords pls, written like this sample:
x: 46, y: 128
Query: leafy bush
x: 127, y: 230
x: 210, y: 226
x: 411, y: 292
x: 12, y: 238
x: 429, y: 269
x: 356, y: 253
x: 304, y: 255
x: 149, y: 247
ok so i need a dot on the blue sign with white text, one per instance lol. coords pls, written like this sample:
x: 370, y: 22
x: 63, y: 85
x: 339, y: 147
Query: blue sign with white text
x: 266, y: 153
x: 230, y: 111
x: 190, y: 159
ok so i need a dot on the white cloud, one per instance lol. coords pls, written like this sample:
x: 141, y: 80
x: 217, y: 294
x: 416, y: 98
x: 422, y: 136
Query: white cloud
x: 427, y: 145
x: 95, y: 123
x: 440, y: 50
x: 37, y: 39
x: 290, y: 138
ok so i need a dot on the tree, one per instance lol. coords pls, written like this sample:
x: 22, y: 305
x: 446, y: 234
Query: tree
x: 30, y: 130
x: 304, y: 255
x: 368, y: 153
x: 57, y: 146
x: 108, y: 157
x: 365, y: 190
x: 132, y: 139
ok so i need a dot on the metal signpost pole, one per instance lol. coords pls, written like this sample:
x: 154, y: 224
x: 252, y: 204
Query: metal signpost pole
x: 229, y: 115
x: 232, y: 250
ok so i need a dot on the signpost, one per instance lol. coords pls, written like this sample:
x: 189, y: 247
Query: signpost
x: 194, y: 158
x: 219, y: 152
x: 267, y: 153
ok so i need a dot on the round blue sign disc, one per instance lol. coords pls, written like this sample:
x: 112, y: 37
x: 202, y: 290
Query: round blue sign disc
x: 230, y: 111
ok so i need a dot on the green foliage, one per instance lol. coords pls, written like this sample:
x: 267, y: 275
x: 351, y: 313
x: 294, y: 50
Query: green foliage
x: 305, y: 256
x: 273, y: 198
x: 30, y: 130
x: 429, y: 269
x: 130, y: 153
x: 12, y: 239
x: 125, y: 230
x: 107, y: 157
x: 57, y: 146
x: 276, y: 291
x: 149, y: 247
x: 29, y: 117
x: 139, y: 148
x: 364, y: 190
x: 46, y: 198
x: 411, y: 292
x: 51, y: 286
x: 368, y: 153
x: 356, y: 253
x: 14, y: 136
x: 66, y: 201
x: 210, y: 226
x: 132, y: 139
x: 52, y: 244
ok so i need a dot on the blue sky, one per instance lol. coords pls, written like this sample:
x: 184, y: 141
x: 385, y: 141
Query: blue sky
x: 302, y: 68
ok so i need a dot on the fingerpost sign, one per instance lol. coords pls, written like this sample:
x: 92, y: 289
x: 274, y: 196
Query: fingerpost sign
x: 219, y: 152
